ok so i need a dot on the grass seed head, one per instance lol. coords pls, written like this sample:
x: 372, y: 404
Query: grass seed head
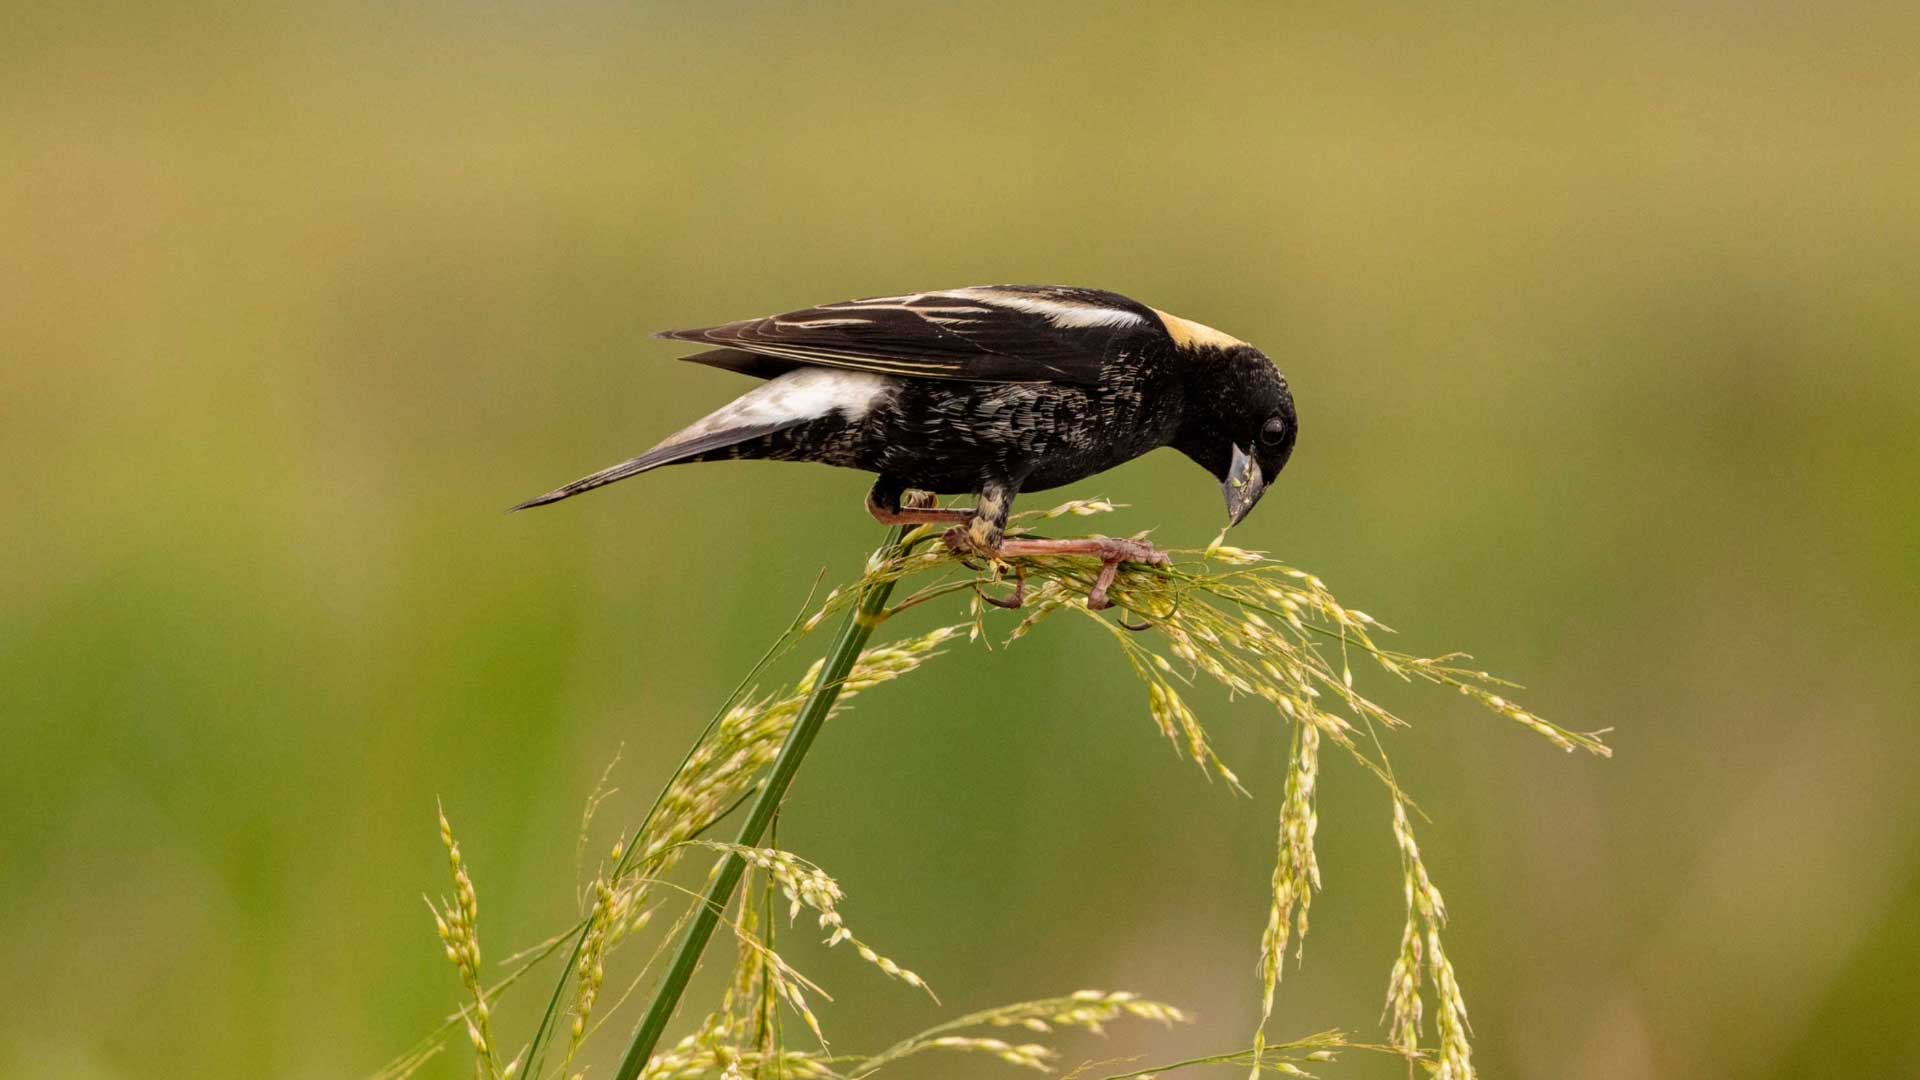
x: 1258, y: 629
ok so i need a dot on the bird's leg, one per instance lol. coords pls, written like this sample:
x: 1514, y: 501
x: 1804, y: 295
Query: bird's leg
x: 985, y: 524
x: 983, y: 530
x: 884, y: 503
x: 985, y: 535
x: 1111, y: 552
x: 989, y: 521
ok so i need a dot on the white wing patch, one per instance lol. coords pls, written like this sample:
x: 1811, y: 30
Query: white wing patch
x: 877, y: 301
x: 1061, y: 313
x: 809, y: 324
x: 803, y: 394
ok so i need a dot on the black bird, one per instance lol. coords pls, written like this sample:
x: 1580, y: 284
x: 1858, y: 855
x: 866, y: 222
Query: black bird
x: 990, y: 391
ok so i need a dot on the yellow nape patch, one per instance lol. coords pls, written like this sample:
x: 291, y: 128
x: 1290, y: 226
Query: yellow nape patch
x: 1192, y: 335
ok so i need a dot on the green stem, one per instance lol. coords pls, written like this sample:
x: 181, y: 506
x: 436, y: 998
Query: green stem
x: 634, y: 846
x: 866, y: 615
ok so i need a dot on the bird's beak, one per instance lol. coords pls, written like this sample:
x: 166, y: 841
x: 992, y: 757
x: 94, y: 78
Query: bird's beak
x: 1242, y: 487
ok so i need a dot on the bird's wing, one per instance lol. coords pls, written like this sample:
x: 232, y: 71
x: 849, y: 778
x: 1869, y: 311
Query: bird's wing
x: 989, y: 333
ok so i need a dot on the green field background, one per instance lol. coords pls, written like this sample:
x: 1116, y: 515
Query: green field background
x: 1604, y: 332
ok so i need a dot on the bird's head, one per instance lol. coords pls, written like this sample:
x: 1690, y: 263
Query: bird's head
x: 1238, y: 423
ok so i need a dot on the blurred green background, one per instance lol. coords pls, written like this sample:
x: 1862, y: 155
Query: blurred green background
x: 1604, y: 332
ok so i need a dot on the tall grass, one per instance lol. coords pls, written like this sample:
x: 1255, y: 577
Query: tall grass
x: 1257, y: 627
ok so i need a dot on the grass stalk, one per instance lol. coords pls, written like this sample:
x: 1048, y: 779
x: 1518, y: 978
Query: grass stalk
x: 535, y: 1049
x: 859, y: 626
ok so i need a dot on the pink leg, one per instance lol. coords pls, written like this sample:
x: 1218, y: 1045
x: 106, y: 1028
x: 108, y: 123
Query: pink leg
x: 1111, y: 552
x: 916, y: 514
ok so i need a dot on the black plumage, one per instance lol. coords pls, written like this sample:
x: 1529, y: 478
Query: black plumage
x: 987, y: 390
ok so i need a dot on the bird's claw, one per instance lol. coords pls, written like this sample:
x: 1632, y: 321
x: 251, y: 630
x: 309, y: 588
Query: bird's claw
x: 1014, y: 600
x: 1112, y: 554
x: 1097, y: 596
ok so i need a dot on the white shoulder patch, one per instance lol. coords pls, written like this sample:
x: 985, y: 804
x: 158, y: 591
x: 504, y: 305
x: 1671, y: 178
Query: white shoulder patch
x: 1192, y: 335
x: 807, y: 393
x: 1061, y: 313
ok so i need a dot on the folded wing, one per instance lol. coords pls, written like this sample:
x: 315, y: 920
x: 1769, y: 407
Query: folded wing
x: 996, y: 333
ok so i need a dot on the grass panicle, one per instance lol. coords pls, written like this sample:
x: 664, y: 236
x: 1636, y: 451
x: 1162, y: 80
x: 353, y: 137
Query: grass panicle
x: 1420, y: 949
x: 1257, y: 629
x: 807, y: 886
x: 457, y: 924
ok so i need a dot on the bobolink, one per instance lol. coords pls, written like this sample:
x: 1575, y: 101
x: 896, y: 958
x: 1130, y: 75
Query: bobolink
x: 989, y: 391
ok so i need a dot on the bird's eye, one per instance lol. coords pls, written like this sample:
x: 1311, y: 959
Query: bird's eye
x: 1274, y: 432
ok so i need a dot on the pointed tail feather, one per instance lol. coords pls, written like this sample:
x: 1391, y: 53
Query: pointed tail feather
x: 588, y: 483
x: 667, y: 453
x: 746, y: 363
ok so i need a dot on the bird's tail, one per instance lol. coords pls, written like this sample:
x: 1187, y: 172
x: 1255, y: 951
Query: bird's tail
x: 682, y: 447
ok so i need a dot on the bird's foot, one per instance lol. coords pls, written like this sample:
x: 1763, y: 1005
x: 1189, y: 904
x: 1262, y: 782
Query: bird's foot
x: 1117, y: 552
x: 1110, y: 551
x: 913, y: 508
x: 1014, y: 600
